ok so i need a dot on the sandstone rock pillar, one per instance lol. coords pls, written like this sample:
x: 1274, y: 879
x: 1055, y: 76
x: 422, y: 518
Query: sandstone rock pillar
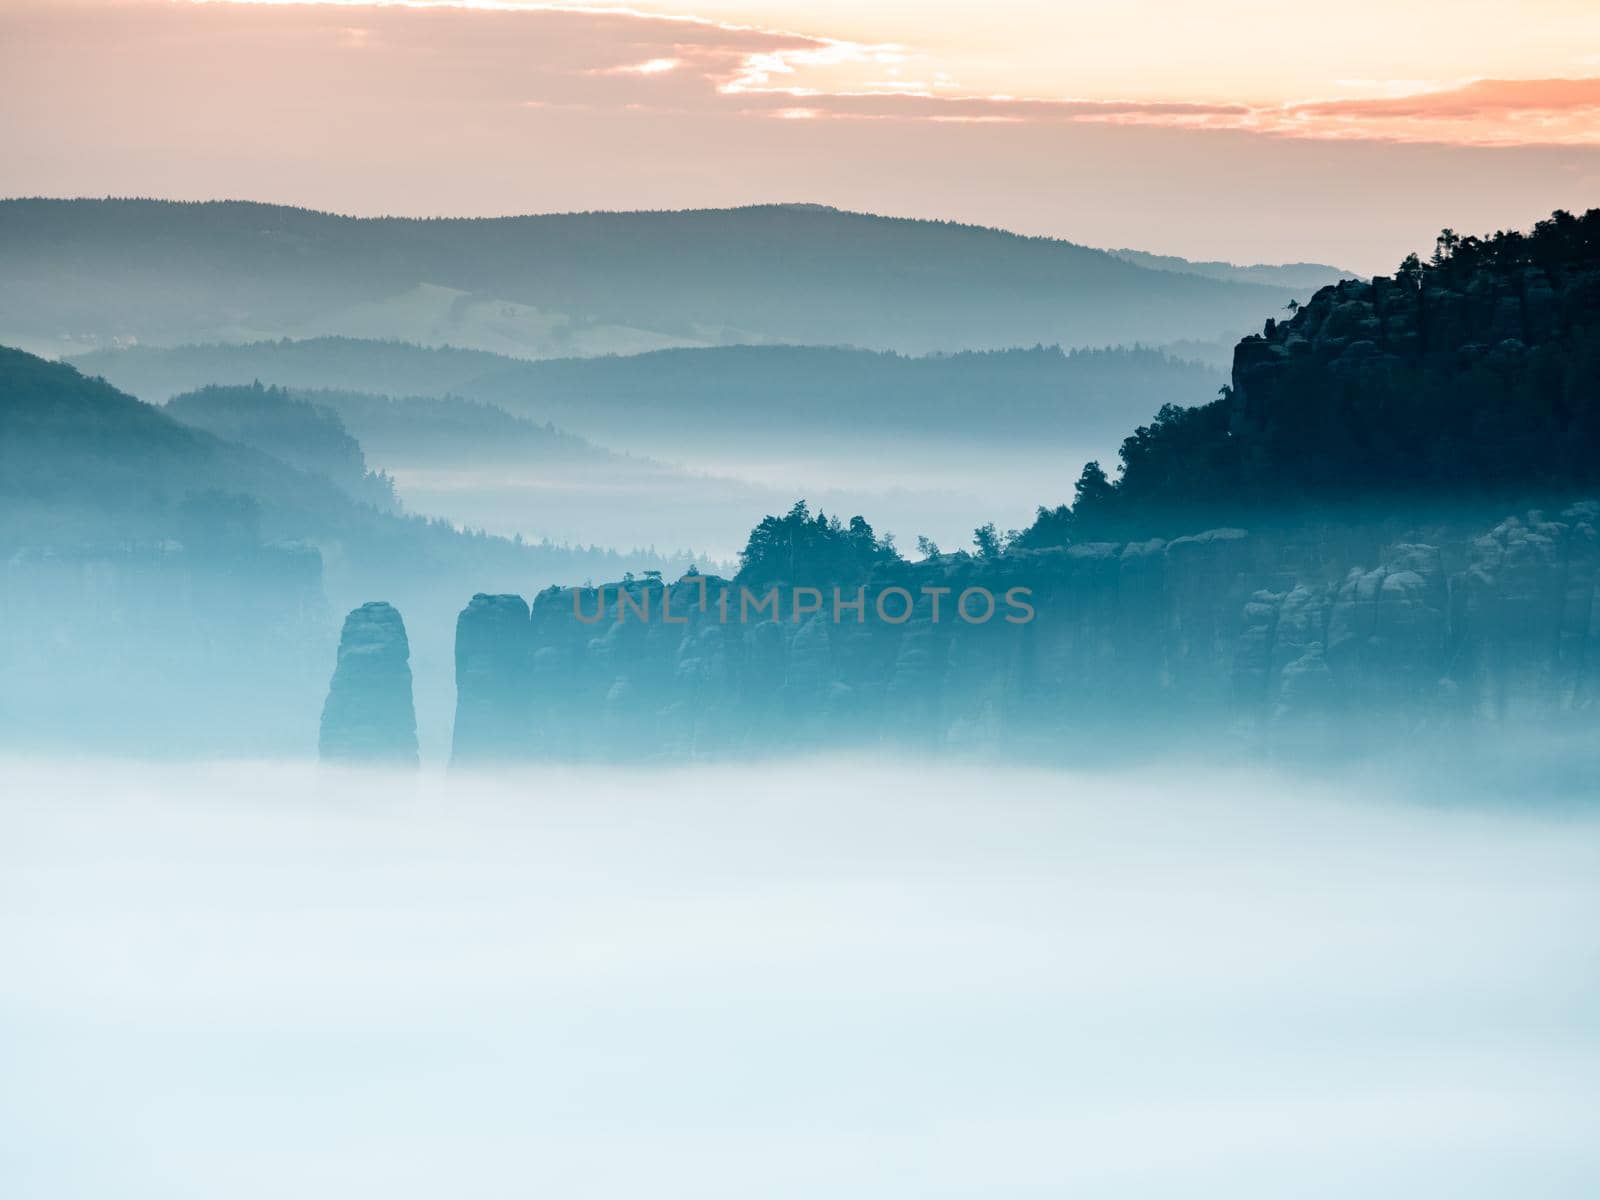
x: 368, y: 716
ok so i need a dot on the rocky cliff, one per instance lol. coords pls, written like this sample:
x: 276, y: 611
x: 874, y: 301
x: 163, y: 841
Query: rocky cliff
x: 1469, y: 385
x: 1357, y: 331
x: 1361, y: 585
x: 369, y: 716
x: 1221, y: 634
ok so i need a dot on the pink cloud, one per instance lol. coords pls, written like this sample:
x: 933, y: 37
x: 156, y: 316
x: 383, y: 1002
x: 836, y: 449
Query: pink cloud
x: 1485, y: 112
x: 721, y: 67
x: 1483, y: 97
x: 1481, y: 113
x: 195, y: 65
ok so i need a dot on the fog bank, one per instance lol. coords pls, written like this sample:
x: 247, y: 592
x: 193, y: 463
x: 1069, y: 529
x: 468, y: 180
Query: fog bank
x: 824, y: 978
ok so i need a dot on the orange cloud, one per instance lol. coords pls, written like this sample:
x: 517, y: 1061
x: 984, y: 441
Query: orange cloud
x: 1485, y: 112
x: 1490, y: 112
x: 1483, y: 97
x: 474, y: 55
x: 774, y: 72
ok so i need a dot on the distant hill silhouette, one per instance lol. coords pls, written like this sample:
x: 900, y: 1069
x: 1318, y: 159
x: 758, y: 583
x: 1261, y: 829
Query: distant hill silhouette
x: 83, y: 464
x: 307, y: 436
x: 748, y: 392
x: 441, y: 430
x: 582, y: 283
x: 387, y: 368
x: 1301, y: 276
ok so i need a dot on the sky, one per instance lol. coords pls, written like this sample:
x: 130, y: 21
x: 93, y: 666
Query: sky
x: 1236, y: 129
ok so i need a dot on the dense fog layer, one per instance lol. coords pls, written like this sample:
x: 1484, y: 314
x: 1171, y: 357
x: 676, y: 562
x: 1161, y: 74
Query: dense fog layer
x: 707, y: 505
x: 822, y: 978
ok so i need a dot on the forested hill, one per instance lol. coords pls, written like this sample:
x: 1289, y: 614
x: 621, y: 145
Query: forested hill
x: 84, y: 466
x: 758, y: 392
x: 382, y: 367
x: 1471, y: 380
x: 1307, y: 275
x: 580, y: 283
x: 303, y: 435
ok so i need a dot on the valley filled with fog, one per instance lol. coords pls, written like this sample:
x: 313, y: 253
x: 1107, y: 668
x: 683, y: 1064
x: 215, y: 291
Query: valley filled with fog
x: 362, y: 832
x: 702, y: 510
x: 674, y: 450
x: 613, y: 603
x: 874, y: 979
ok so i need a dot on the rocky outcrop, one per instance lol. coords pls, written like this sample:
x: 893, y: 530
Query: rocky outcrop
x: 1207, y: 635
x: 1508, y: 637
x: 369, y: 716
x: 1529, y: 616
x: 1442, y: 320
x: 1369, y: 439
x: 493, y: 661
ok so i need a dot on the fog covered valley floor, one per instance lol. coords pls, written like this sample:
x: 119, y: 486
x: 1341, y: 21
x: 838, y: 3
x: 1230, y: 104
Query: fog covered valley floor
x: 825, y: 977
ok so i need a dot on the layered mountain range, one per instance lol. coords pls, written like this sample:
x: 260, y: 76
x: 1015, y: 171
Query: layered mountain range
x: 87, y: 273
x: 1384, y: 527
x: 928, y: 444
x: 1376, y: 604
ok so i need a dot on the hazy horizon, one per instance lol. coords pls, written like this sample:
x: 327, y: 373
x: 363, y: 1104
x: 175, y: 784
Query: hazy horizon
x: 623, y: 210
x: 1145, y: 128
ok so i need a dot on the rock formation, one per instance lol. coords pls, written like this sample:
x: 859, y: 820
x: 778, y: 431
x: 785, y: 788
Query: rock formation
x: 369, y: 716
x: 493, y: 659
x: 1446, y: 321
x: 1151, y: 642
x: 1372, y: 442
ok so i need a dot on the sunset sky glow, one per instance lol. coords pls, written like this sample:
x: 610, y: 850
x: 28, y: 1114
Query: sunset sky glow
x: 951, y: 109
x: 1450, y: 72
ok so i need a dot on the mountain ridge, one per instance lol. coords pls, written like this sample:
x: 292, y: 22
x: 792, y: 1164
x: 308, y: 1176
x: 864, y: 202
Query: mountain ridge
x: 87, y: 272
x: 1295, y: 274
x: 840, y: 394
